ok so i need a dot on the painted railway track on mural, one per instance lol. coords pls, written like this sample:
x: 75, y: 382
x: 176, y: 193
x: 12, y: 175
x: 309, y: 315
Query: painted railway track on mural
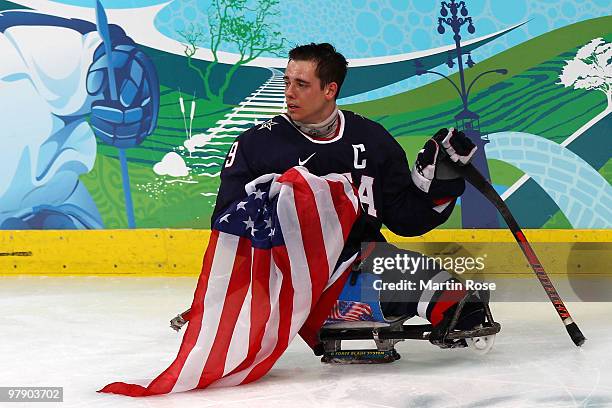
x: 206, y: 151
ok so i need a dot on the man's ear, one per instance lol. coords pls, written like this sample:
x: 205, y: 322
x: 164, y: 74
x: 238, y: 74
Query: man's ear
x: 331, y: 90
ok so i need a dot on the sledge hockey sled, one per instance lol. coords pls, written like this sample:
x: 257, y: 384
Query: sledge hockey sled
x: 387, y: 334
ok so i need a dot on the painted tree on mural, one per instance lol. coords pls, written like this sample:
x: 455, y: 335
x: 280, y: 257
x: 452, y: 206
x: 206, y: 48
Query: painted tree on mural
x: 591, y: 68
x: 243, y: 23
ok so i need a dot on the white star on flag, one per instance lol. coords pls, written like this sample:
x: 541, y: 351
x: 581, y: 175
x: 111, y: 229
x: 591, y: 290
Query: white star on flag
x: 258, y: 194
x: 241, y: 205
x: 268, y: 223
x: 225, y: 218
x: 250, y: 224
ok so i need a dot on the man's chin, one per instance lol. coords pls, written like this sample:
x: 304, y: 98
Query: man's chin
x: 294, y: 117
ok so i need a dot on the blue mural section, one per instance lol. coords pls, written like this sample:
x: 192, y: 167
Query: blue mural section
x: 54, y: 106
x: 557, y: 172
x: 113, y: 4
x: 378, y: 28
x: 579, y: 191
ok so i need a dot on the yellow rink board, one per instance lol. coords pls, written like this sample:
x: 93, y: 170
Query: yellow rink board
x: 179, y: 252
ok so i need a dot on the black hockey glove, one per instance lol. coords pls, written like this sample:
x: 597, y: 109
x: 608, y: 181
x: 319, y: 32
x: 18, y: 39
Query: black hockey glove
x: 457, y: 146
x: 434, y: 170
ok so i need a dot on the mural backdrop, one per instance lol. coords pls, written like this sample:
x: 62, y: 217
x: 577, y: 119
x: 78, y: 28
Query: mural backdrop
x: 529, y: 81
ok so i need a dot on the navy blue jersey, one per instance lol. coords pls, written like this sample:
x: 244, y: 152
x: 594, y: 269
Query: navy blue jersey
x: 362, y: 150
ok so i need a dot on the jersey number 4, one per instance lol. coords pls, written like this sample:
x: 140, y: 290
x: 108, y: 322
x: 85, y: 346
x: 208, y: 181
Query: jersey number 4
x: 366, y: 193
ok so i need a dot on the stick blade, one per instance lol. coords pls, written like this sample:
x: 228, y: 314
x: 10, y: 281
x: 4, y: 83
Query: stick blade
x: 575, y: 333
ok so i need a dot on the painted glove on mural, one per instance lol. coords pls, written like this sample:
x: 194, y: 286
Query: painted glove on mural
x: 125, y: 122
x: 434, y: 170
x: 47, y: 142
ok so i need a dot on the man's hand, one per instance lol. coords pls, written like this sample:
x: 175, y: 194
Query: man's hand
x: 126, y: 122
x: 436, y: 160
x: 177, y: 323
x: 457, y: 146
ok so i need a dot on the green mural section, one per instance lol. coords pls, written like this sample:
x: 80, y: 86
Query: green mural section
x: 527, y: 99
x: 7, y: 5
x: 159, y: 200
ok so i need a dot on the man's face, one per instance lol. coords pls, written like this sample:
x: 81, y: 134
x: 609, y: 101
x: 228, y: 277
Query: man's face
x: 306, y: 101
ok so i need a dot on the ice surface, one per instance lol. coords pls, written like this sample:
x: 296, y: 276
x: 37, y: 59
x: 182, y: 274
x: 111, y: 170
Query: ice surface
x: 84, y: 332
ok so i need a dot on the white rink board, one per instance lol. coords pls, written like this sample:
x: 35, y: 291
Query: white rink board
x: 84, y: 332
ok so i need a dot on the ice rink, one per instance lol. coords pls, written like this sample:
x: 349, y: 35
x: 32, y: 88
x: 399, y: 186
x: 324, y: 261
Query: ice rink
x: 84, y: 332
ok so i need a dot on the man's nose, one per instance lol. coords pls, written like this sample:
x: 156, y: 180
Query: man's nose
x: 289, y: 91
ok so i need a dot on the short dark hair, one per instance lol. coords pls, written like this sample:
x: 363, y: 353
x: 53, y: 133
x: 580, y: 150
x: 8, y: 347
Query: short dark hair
x: 331, y: 65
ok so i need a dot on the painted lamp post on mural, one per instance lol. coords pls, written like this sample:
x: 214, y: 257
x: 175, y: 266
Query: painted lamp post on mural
x: 476, y: 210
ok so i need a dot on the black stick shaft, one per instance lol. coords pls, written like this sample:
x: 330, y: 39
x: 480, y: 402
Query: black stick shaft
x: 472, y: 175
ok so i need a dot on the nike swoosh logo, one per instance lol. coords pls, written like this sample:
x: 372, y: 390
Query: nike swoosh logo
x: 303, y: 162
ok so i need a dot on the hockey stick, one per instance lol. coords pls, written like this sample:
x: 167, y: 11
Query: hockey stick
x: 471, y: 174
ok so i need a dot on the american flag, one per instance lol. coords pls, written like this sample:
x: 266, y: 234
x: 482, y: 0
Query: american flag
x: 269, y: 271
x: 350, y: 311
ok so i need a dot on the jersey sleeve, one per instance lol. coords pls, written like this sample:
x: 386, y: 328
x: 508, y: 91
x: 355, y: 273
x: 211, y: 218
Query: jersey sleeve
x: 407, y: 211
x: 237, y: 171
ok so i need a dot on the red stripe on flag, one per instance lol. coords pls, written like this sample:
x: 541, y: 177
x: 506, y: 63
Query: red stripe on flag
x: 260, y: 303
x: 310, y: 330
x: 344, y: 207
x: 234, y: 298
x: 311, y: 231
x: 281, y: 259
x: 165, y: 381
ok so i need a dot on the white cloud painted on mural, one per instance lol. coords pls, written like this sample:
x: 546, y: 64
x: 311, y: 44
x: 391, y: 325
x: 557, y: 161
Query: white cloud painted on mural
x: 199, y: 140
x: 171, y: 165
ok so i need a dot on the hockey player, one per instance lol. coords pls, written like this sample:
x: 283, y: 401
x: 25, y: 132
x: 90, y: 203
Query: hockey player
x: 315, y: 134
x: 53, y: 78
